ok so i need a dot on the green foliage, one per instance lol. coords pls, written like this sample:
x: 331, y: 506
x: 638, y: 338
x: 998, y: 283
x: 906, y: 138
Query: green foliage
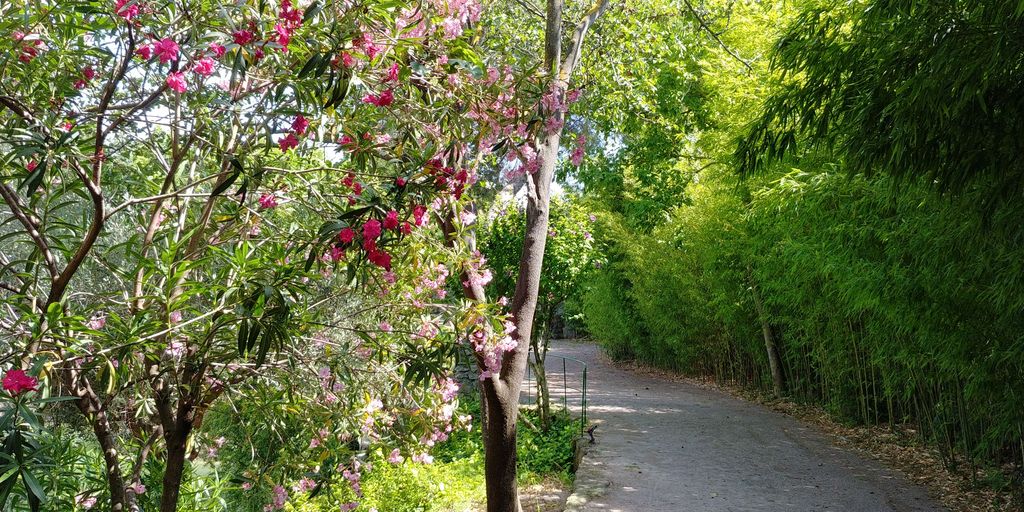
x: 540, y: 453
x: 914, y: 88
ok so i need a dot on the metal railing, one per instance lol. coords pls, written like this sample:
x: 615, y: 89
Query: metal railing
x: 531, y: 398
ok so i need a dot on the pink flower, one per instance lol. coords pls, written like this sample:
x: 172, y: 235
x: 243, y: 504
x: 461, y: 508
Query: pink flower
x: 385, y: 327
x: 300, y: 124
x: 347, y: 60
x: 137, y: 488
x: 17, y: 382
x: 88, y: 73
x: 337, y: 253
x: 246, y: 486
x: 86, y: 502
x: 380, y: 258
x: 166, y: 50
x: 418, y: 212
x: 392, y: 75
x: 391, y: 220
x: 126, y: 9
x: 204, y: 66
x: 371, y: 229
x: 400, y: 181
x: 406, y: 228
x: 381, y: 100
x: 32, y: 166
x: 347, y: 235
x: 423, y: 458
x: 176, y: 81
x: 345, y: 140
x: 284, y: 36
x: 145, y: 51
x: 288, y: 142
x: 268, y: 201
x: 97, y: 323
x: 242, y: 37
x: 80, y: 84
x: 395, y: 457
x: 218, y: 50
x: 175, y: 317
x: 452, y: 28
x: 572, y: 96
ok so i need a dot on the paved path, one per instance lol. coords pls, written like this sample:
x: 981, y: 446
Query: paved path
x: 667, y: 446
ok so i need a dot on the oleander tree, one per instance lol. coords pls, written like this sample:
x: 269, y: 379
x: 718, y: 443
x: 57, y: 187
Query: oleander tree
x: 207, y: 199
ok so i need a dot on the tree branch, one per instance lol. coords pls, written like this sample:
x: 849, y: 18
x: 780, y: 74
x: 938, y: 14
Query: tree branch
x: 704, y: 25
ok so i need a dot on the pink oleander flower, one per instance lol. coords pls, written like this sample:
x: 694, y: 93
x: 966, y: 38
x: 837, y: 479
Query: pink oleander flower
x: 418, y: 213
x: 300, y: 124
x: 204, y: 66
x: 385, y: 327
x: 452, y: 28
x: 371, y: 229
x: 284, y: 35
x: 218, y: 50
x: 97, y: 323
x: 392, y: 74
x: 31, y: 166
x: 346, y: 235
x: 175, y: 317
x: 380, y: 258
x: 242, y: 37
x: 268, y: 201
x: 127, y: 9
x: 391, y: 220
x: 383, y: 99
x: 423, y: 458
x: 17, y: 382
x: 176, y: 81
x: 395, y: 457
x: 86, y: 502
x: 166, y: 50
x: 337, y: 254
x: 137, y: 488
x: 145, y: 51
x: 288, y: 142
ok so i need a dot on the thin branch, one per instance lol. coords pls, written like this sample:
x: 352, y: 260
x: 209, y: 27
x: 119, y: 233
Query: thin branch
x: 572, y: 59
x: 704, y: 25
x: 31, y: 225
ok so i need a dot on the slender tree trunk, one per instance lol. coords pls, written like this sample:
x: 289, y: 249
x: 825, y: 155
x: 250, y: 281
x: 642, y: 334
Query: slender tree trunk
x: 774, y: 361
x: 501, y: 392
x: 89, y: 405
x: 175, y: 466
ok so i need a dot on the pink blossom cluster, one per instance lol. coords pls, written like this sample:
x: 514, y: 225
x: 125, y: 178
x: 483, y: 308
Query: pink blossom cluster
x: 17, y: 382
x: 579, y: 151
x: 30, y: 45
x: 477, y: 272
x: 278, y: 501
x: 491, y: 346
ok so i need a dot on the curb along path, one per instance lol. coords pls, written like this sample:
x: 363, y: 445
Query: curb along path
x: 665, y: 446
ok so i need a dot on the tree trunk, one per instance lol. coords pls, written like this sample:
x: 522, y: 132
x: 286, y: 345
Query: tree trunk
x: 501, y: 392
x: 175, y: 466
x: 774, y: 361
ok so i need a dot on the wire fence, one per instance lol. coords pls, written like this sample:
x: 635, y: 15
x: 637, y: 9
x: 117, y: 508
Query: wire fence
x: 571, y: 373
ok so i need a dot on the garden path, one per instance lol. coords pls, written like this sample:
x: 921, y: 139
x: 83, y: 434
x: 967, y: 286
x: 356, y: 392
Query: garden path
x: 671, y: 446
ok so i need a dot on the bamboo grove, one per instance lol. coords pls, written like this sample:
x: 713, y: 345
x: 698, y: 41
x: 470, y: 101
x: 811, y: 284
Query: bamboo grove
x: 843, y: 195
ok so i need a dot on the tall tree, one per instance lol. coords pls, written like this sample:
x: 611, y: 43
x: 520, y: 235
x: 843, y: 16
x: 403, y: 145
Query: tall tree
x: 501, y: 390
